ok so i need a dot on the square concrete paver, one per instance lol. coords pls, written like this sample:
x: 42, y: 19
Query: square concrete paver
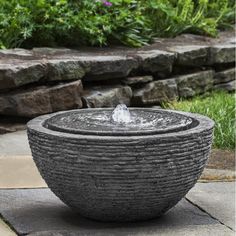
x: 5, y: 230
x: 38, y: 212
x: 19, y: 172
x: 17, y: 168
x: 14, y: 144
x: 218, y: 199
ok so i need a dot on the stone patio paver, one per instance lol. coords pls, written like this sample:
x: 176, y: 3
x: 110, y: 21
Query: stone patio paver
x: 218, y: 199
x: 5, y: 230
x: 39, y: 212
x: 19, y: 172
x: 216, y: 230
x: 17, y: 169
x: 14, y: 144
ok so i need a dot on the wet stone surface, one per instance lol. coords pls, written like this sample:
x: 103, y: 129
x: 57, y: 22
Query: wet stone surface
x: 143, y: 121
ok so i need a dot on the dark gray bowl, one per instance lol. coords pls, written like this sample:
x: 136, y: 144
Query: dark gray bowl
x: 120, y: 175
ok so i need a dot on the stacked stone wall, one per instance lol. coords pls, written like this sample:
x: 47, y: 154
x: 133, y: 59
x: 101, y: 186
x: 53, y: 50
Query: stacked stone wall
x: 45, y: 80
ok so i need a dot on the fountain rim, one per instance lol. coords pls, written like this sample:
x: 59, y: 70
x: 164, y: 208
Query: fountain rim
x: 204, y: 123
x: 49, y: 123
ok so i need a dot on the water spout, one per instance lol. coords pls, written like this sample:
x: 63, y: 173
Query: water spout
x: 121, y: 115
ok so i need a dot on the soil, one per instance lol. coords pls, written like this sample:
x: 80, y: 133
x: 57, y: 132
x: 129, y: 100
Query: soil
x: 221, y: 159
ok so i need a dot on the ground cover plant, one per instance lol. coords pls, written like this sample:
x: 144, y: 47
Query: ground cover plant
x: 219, y: 106
x: 29, y: 23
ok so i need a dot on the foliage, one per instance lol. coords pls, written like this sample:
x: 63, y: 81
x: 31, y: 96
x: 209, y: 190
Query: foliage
x: 30, y: 23
x: 170, y: 18
x: 219, y: 106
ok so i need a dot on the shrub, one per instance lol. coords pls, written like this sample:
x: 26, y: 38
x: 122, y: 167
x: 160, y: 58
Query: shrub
x: 31, y: 23
x: 170, y: 18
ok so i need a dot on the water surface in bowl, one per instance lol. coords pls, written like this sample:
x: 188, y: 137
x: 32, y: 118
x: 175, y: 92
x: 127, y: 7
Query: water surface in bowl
x: 100, y: 122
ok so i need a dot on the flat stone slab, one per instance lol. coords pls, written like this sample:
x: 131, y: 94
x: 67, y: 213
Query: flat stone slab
x: 194, y: 84
x: 38, y: 212
x: 11, y: 127
x: 14, y: 144
x: 137, y: 80
x: 19, y: 67
x: 5, y: 229
x: 107, y: 96
x: 155, y: 92
x: 218, y: 199
x: 33, y: 102
x: 222, y: 53
x: 19, y: 172
x: 230, y: 86
x: 224, y: 76
x: 17, y: 168
x: 191, y: 55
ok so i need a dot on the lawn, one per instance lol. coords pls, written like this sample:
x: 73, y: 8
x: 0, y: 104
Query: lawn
x: 219, y: 106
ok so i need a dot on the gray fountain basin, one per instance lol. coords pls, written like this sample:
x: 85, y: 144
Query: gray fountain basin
x: 117, y: 173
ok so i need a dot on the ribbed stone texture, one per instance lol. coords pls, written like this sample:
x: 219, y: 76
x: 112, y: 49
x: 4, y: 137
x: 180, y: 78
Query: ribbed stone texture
x: 121, y: 178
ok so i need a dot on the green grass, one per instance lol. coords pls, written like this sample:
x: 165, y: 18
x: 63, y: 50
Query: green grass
x: 219, y: 106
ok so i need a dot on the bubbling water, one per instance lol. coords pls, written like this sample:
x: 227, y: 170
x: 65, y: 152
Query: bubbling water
x: 121, y: 115
x: 121, y: 121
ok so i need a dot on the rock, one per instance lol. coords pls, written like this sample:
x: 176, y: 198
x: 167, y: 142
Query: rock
x: 99, y: 64
x: 132, y: 81
x: 229, y: 86
x: 16, y: 52
x: 66, y: 96
x: 232, y: 40
x: 11, y: 124
x: 108, y: 67
x: 65, y: 70
x: 47, y: 52
x: 156, y: 62
x: 20, y: 66
x: 157, y: 107
x: 218, y: 200
x: 107, y: 96
x: 16, y: 73
x: 224, y: 76
x: 222, y: 53
x: 190, y: 55
x: 8, y: 128
x: 42, y: 100
x: 155, y: 93
x: 194, y: 84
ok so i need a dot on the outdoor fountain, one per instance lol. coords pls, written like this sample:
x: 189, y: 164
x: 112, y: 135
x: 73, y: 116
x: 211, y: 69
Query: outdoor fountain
x: 122, y: 165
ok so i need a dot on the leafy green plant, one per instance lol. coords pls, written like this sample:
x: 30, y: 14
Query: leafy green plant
x: 219, y: 106
x: 170, y: 18
x: 30, y: 23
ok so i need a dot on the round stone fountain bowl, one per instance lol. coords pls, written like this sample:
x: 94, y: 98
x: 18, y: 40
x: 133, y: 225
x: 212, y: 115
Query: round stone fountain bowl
x: 113, y: 172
